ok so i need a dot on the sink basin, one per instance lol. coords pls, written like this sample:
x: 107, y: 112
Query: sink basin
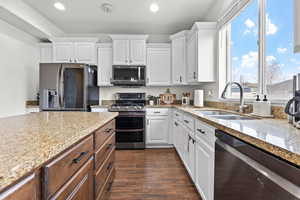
x: 213, y: 112
x: 232, y: 117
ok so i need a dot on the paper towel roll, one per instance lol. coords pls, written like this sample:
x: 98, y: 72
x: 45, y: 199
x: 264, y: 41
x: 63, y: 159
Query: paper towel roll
x: 198, y: 98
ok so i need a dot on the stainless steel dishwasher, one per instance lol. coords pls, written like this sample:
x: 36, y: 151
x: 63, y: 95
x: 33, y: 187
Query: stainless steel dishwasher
x: 244, y: 172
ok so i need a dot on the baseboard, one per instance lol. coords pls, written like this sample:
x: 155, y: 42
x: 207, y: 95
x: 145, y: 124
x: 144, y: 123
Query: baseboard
x: 159, y: 146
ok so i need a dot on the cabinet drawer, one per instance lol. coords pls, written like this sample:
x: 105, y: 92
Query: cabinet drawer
x: 205, y: 132
x: 104, y: 151
x: 57, y: 172
x: 102, y: 134
x: 157, y: 111
x: 178, y: 116
x: 105, y: 192
x: 189, y: 121
x: 80, y: 186
x: 25, y: 190
x: 103, y: 172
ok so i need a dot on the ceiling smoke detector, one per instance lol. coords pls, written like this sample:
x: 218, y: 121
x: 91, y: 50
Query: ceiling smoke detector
x: 107, y: 8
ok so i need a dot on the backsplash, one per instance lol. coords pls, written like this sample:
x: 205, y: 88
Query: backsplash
x: 277, y: 111
x: 107, y: 93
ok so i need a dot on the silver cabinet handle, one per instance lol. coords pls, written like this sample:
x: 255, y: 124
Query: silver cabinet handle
x: 194, y: 75
x: 186, y: 121
x: 148, y: 121
x: 180, y: 79
x: 176, y: 124
x: 156, y: 112
x: 70, y: 60
x: 201, y: 131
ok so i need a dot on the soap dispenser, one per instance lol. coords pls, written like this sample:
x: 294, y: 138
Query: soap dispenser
x: 262, y: 108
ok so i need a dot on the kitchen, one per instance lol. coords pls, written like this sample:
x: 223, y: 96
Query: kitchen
x: 189, y: 100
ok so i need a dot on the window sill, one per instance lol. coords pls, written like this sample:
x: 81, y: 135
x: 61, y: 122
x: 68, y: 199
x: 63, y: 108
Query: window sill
x: 276, y: 102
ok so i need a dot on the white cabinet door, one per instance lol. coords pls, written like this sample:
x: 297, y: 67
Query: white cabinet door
x: 159, y: 66
x: 179, y: 61
x: 205, y: 70
x: 46, y: 53
x: 121, y: 52
x: 85, y: 52
x: 157, y: 129
x: 63, y: 52
x: 191, y: 157
x: 204, y: 171
x: 192, y: 58
x: 104, y: 66
x: 137, y: 52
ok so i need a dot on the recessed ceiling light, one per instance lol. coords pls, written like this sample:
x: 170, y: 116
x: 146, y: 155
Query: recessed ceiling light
x: 59, y: 6
x: 154, y: 7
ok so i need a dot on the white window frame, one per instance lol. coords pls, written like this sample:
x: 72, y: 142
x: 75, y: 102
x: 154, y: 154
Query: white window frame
x: 224, y: 22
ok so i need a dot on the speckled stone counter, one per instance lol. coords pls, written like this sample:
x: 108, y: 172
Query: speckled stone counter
x: 28, y: 141
x: 275, y: 136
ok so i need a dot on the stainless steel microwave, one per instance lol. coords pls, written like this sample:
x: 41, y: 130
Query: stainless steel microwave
x: 128, y: 75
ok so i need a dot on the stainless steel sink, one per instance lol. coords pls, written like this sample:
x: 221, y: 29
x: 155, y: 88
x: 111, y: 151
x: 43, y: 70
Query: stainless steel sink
x: 233, y: 117
x: 213, y: 112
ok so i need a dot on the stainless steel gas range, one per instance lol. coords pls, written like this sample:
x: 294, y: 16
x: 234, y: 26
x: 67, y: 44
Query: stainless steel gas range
x: 130, y: 124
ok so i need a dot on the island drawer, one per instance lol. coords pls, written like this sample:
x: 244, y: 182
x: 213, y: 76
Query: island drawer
x: 26, y: 189
x: 102, y: 174
x: 80, y: 186
x: 105, y: 192
x: 57, y: 172
x: 104, y: 151
x: 102, y: 134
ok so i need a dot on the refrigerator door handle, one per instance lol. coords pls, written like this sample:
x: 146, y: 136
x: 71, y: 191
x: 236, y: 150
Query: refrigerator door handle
x: 58, y: 85
x: 62, y: 100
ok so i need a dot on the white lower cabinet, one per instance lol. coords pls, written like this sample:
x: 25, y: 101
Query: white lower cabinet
x: 194, y: 142
x: 204, y: 176
x: 157, y: 127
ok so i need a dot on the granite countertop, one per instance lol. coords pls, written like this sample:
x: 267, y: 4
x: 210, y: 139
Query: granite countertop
x: 272, y: 135
x: 28, y: 141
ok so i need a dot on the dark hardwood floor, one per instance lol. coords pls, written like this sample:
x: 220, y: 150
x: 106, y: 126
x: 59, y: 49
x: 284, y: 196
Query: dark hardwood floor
x: 151, y: 174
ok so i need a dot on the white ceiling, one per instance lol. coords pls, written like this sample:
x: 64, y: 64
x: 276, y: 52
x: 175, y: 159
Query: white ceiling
x: 128, y: 16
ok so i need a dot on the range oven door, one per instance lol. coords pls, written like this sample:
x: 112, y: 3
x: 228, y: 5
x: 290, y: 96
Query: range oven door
x: 130, y: 130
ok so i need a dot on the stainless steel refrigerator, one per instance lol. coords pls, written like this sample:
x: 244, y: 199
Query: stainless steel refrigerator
x: 68, y: 87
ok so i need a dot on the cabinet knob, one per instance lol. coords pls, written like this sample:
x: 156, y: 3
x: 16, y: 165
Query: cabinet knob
x: 180, y: 79
x: 195, y: 75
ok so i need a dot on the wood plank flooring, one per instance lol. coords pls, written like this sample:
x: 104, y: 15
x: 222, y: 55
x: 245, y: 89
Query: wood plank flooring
x: 151, y: 174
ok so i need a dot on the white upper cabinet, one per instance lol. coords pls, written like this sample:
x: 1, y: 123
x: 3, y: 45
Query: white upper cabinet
x: 179, y: 54
x: 201, y: 52
x: 121, y: 52
x: 129, y: 49
x: 104, y: 64
x: 85, y: 52
x: 159, y: 64
x: 137, y: 52
x: 63, y: 52
x: 75, y: 50
x: 46, y: 53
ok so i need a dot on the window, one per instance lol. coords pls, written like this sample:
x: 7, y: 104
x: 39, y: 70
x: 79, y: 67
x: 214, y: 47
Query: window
x: 244, y: 51
x: 261, y: 58
x: 281, y: 62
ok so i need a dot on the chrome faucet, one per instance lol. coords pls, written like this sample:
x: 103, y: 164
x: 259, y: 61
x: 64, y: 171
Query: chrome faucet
x: 242, y: 106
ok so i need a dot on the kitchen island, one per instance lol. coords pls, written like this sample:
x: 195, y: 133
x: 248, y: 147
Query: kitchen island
x: 49, y: 154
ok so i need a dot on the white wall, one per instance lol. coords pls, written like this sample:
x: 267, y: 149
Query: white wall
x: 107, y: 93
x: 19, y: 57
